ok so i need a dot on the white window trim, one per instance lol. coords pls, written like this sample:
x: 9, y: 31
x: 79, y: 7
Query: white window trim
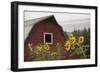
x: 51, y: 37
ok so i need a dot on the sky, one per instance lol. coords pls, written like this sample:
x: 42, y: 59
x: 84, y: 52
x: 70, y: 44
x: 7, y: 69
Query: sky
x: 69, y: 21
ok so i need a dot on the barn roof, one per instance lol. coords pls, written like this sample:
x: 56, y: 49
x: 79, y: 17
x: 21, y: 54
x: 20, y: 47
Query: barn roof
x: 29, y: 24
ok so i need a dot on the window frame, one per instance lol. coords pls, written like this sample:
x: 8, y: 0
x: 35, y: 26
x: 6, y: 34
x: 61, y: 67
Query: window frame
x: 44, y: 36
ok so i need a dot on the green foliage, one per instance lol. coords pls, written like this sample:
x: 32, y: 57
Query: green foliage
x: 41, y: 52
x: 85, y: 47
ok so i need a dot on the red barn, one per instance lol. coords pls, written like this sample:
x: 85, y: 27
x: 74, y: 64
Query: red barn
x: 45, y: 30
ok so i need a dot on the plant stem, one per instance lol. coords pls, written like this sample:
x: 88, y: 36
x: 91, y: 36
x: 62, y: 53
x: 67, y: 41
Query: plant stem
x: 82, y: 50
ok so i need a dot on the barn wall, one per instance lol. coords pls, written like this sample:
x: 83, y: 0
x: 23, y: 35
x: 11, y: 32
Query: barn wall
x: 37, y: 35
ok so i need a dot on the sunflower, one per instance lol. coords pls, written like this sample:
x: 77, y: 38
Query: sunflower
x: 67, y: 45
x: 73, y: 47
x: 46, y: 47
x: 39, y: 47
x: 30, y: 46
x: 71, y: 36
x: 72, y: 40
x: 81, y: 39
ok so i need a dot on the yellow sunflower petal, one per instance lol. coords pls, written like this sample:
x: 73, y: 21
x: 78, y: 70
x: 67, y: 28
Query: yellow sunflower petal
x: 67, y: 46
x: 67, y: 42
x: 73, y: 40
x: 73, y: 47
x: 81, y: 39
x: 30, y: 46
x: 46, y: 46
x: 71, y: 35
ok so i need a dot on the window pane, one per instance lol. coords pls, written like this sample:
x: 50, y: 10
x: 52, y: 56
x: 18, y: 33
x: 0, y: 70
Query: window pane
x: 48, y: 38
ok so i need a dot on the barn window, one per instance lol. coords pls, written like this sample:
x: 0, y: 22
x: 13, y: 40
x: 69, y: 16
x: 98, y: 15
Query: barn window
x: 48, y: 38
